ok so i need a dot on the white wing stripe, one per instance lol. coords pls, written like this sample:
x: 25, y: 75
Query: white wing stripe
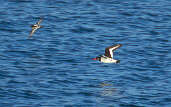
x: 111, y: 52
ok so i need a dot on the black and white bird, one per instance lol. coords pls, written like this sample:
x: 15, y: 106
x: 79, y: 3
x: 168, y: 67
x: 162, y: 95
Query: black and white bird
x: 35, y: 27
x: 108, y: 56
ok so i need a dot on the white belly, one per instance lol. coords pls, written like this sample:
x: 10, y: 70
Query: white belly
x: 108, y: 60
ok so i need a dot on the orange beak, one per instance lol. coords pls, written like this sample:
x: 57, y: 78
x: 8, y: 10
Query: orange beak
x: 94, y: 59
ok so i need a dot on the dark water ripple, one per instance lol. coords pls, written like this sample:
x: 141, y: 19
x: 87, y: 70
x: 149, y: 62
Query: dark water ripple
x: 54, y: 68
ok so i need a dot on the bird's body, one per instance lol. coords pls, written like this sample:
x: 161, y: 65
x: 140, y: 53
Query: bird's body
x: 35, y: 27
x: 105, y: 59
x: 108, y: 56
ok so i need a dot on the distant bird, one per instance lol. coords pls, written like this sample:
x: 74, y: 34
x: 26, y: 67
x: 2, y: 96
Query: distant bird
x: 35, y: 27
x: 108, y: 56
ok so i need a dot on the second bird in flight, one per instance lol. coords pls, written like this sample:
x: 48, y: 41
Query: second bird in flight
x: 35, y: 27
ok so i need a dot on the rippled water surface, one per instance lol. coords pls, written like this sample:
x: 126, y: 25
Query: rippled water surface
x: 54, y: 68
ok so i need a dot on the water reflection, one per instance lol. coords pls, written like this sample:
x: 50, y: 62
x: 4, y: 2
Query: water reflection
x: 107, y: 89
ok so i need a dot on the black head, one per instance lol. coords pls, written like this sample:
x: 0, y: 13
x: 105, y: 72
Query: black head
x: 97, y: 58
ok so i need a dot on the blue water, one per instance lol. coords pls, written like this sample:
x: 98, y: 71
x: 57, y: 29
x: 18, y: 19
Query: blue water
x: 54, y: 68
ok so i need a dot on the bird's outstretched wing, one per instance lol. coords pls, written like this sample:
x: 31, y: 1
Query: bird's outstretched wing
x: 32, y: 31
x: 109, y: 50
x: 39, y: 21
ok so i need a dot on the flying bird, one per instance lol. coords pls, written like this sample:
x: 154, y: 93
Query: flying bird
x: 35, y: 27
x: 108, y: 56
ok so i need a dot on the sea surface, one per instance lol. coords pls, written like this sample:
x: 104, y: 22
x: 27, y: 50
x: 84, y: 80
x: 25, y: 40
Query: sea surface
x: 54, y: 68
